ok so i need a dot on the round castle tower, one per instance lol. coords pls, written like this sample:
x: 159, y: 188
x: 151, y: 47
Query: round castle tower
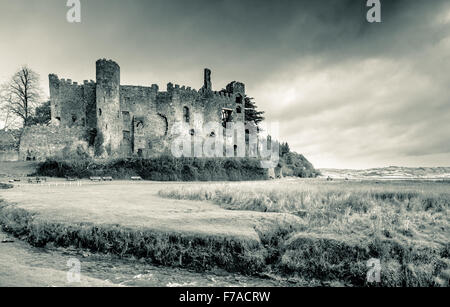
x: 108, y: 105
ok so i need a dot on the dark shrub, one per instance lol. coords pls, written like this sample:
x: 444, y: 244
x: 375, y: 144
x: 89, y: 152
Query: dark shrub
x: 164, y: 168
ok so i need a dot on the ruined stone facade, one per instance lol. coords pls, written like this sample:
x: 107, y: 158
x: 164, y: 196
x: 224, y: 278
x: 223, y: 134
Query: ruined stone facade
x: 40, y: 142
x: 123, y: 120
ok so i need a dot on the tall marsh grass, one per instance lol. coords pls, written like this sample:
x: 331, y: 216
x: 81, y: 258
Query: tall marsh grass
x: 335, y: 208
x: 343, y: 224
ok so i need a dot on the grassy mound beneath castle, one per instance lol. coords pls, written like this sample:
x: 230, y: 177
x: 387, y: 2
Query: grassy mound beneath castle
x: 296, y: 165
x: 163, y: 168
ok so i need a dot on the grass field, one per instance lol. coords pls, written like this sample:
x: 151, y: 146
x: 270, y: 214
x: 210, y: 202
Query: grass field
x: 343, y: 223
x: 307, y: 229
x: 407, y: 211
x: 138, y: 205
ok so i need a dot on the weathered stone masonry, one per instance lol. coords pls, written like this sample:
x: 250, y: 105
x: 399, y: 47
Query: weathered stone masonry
x: 122, y: 120
x: 39, y: 142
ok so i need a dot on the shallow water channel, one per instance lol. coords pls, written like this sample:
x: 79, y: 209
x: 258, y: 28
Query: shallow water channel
x: 22, y: 264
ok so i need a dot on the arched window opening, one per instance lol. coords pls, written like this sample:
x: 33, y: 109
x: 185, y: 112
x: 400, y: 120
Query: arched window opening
x: 166, y: 123
x: 139, y: 124
x: 239, y: 99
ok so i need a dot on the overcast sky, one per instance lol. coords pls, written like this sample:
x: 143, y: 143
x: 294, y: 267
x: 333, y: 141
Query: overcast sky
x: 347, y: 94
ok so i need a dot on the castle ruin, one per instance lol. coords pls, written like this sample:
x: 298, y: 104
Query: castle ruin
x: 122, y: 120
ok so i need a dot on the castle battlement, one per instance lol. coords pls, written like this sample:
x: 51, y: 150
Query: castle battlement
x: 54, y: 80
x: 107, y: 62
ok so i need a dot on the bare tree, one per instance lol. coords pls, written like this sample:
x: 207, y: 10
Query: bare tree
x: 7, y: 119
x: 20, y: 96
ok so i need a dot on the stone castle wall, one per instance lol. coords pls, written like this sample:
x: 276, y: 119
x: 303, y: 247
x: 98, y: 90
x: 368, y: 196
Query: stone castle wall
x: 149, y: 115
x: 40, y: 142
x: 72, y: 104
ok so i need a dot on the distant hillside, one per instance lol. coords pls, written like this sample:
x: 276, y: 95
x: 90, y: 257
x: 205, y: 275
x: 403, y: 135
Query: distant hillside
x: 392, y: 172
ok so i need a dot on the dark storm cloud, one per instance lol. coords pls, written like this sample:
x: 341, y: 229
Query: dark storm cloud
x: 347, y: 93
